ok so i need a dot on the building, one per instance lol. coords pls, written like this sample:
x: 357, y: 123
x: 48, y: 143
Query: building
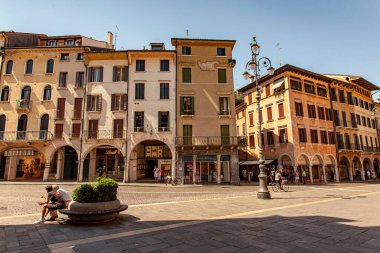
x: 40, y: 80
x: 303, y: 124
x: 206, y: 143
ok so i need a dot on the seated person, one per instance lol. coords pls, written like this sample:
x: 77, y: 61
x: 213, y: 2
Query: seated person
x: 54, y: 202
x: 66, y: 197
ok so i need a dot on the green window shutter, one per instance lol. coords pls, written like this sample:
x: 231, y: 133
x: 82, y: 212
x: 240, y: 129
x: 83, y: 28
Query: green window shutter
x: 181, y: 105
x: 186, y: 75
x: 114, y: 74
x: 192, y: 105
x: 222, y: 76
x: 159, y: 119
x: 228, y: 105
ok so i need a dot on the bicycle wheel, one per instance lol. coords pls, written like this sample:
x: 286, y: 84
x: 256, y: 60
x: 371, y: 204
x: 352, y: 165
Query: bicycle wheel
x: 285, y: 187
x: 275, y: 187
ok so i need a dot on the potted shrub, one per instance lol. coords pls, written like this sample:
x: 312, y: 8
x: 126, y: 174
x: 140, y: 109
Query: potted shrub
x: 95, y: 202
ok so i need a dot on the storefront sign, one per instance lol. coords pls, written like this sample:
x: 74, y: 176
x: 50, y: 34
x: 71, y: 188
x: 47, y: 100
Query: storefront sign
x: 19, y: 152
x: 187, y: 158
x: 166, y: 161
x: 225, y: 158
x: 112, y: 152
x: 154, y: 151
x: 206, y: 158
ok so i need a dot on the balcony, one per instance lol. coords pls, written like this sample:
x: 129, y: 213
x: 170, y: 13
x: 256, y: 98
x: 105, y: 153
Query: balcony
x: 225, y: 113
x: 25, y: 136
x: 138, y: 129
x: 371, y: 149
x: 104, y: 135
x: 24, y: 104
x: 353, y: 147
x: 346, y: 124
x: 211, y: 141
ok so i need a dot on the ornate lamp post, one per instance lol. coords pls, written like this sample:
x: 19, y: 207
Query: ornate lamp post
x: 255, y: 65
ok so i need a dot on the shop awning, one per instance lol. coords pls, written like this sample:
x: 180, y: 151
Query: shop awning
x: 255, y: 162
x: 278, y: 84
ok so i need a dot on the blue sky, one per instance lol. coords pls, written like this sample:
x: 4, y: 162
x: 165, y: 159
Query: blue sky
x: 324, y: 36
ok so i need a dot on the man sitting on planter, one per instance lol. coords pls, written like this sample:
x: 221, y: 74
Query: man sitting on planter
x: 54, y: 202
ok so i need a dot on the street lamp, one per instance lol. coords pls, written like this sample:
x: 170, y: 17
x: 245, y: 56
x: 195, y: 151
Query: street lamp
x: 255, y: 65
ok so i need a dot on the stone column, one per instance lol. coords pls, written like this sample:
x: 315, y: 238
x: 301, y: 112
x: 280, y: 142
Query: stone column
x: 92, y: 165
x: 324, y: 174
x: 311, y: 173
x: 46, y: 170
x: 337, y: 174
x: 194, y: 168
x: 126, y: 170
x: 60, y: 165
x: 173, y: 169
x: 12, y: 168
x: 350, y: 174
x: 234, y: 168
x: 218, y: 168
x: 363, y: 174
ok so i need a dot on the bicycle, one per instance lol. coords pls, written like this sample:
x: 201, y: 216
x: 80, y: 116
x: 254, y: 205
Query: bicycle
x: 284, y: 186
x: 174, y: 181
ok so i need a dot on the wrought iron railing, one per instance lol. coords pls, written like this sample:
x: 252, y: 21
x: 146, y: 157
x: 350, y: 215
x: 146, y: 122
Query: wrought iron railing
x: 23, y: 104
x: 211, y: 141
x: 41, y: 135
x: 104, y: 134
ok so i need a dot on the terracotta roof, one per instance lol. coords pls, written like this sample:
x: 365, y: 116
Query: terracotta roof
x: 202, y: 39
x: 358, y: 80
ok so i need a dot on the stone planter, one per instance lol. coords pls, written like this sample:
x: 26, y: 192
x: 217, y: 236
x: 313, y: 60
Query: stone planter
x: 93, y: 212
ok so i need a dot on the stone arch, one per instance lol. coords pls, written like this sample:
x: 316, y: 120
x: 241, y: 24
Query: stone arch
x: 376, y: 165
x: 345, y: 172
x: 317, y: 159
x: 50, y: 154
x: 285, y: 158
x: 92, y: 147
x: 303, y: 159
x: 64, y: 162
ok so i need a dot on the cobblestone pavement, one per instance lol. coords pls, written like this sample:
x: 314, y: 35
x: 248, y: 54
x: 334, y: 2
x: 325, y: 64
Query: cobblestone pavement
x: 313, y: 218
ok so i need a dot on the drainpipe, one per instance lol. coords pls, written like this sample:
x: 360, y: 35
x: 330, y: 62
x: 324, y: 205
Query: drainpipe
x: 175, y: 119
x: 79, y: 177
x: 126, y: 160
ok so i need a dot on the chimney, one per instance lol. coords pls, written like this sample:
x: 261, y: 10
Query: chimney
x: 109, y: 39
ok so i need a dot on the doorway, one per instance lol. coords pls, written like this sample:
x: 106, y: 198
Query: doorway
x: 150, y: 167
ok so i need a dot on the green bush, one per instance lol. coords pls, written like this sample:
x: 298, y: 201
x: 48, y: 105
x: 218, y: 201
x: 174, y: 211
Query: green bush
x: 104, y: 189
x: 85, y: 193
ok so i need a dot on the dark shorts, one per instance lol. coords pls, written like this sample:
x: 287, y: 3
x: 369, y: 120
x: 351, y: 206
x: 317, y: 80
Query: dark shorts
x: 53, y: 207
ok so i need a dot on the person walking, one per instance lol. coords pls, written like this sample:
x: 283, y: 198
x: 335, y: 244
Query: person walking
x: 156, y: 173
x: 304, y: 176
x: 297, y: 177
x: 250, y: 175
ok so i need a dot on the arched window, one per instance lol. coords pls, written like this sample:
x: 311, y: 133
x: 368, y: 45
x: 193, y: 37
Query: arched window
x: 8, y: 70
x: 29, y: 67
x: 25, y: 93
x: 5, y: 94
x: 21, y: 127
x: 47, y: 93
x: 44, y: 126
x: 50, y: 66
x: 3, y: 120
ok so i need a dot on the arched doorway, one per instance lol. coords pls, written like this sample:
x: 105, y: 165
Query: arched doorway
x: 151, y: 154
x: 376, y: 167
x: 303, y: 166
x: 316, y: 168
x: 367, y: 168
x: 25, y: 93
x: 64, y: 164
x: 104, y: 161
x: 330, y: 168
x: 21, y: 127
x: 3, y: 121
x: 356, y: 168
x: 344, y: 166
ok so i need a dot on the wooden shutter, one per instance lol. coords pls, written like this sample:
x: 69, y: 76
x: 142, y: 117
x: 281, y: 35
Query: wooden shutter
x: 251, y: 119
x: 118, y: 128
x: 267, y: 90
x: 126, y: 73
x: 113, y: 104
x: 61, y: 108
x: 159, y: 119
x: 99, y: 105
x: 101, y: 74
x: 89, y: 100
x: 114, y: 74
x: 76, y: 130
x: 269, y: 110
x: 181, y: 105
x: 58, y: 133
x: 281, y: 110
x: 90, y: 74
x: 125, y: 101
x: 192, y: 105
x: 78, y: 108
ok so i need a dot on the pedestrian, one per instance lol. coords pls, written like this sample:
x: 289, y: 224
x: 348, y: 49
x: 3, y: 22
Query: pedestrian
x: 162, y: 175
x: 304, y: 176
x: 297, y: 177
x: 244, y: 173
x: 277, y: 178
x: 53, y: 202
x: 368, y: 174
x: 156, y: 173
x: 250, y: 175
x: 66, y: 197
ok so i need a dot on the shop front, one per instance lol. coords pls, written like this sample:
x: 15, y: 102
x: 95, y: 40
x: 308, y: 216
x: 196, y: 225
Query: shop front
x: 109, y: 163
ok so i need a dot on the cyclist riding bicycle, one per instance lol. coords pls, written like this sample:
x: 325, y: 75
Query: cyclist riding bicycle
x: 278, y: 178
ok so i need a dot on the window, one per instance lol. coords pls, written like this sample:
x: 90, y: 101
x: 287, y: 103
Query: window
x: 358, y: 120
x: 187, y: 105
x: 302, y: 134
x: 79, y: 79
x: 295, y: 84
x: 118, y: 125
x: 25, y: 93
x: 224, y: 106
x: 331, y: 138
x: 187, y: 134
x: 3, y: 121
x: 75, y: 131
x: 324, y: 137
x: 282, y: 135
x: 94, y: 103
x: 252, y: 141
x: 261, y: 116
x: 44, y: 127
x: 163, y: 121
x: 222, y: 76
x: 9, y: 68
x: 69, y: 42
x: 356, y: 101
x: 333, y: 94
x: 5, y: 94
x: 281, y: 111
x: 139, y: 122
x: 186, y: 50
x: 321, y: 113
x: 225, y: 134
x: 21, y: 127
x: 119, y: 102
x: 250, y: 95
x: 120, y: 73
x: 366, y: 105
x: 139, y: 90
x: 62, y: 79
x: 342, y: 99
x: 269, y: 113
x: 220, y: 51
x: 311, y: 111
x: 58, y: 132
x: 244, y: 129
x: 52, y: 43
x: 350, y: 99
x: 93, y: 129
x: 29, y: 67
x: 78, y: 102
x: 348, y: 141
x: 61, y: 103
x: 321, y: 91
x: 299, y: 109
x: 164, y: 91
x: 95, y: 74
x: 47, y: 93
x: 364, y: 121
x: 50, y: 66
x: 340, y: 141
x: 353, y: 120
x: 140, y: 65
x: 361, y: 103
x: 373, y: 124
x: 309, y: 88
x: 314, y: 136
x: 270, y: 138
x: 368, y: 122
x: 186, y: 75
x: 336, y: 118
x: 251, y: 122
x: 267, y: 90
x: 329, y: 115
x: 65, y: 57
x: 164, y: 65
x: 80, y: 57
x: 344, y: 118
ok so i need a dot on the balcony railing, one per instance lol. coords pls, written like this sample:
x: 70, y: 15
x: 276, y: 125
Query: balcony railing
x: 211, y: 141
x: 104, y: 134
x: 225, y: 113
x: 26, y: 136
x: 349, y: 146
x: 24, y: 104
x: 348, y: 124
x: 138, y: 129
x: 371, y: 149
